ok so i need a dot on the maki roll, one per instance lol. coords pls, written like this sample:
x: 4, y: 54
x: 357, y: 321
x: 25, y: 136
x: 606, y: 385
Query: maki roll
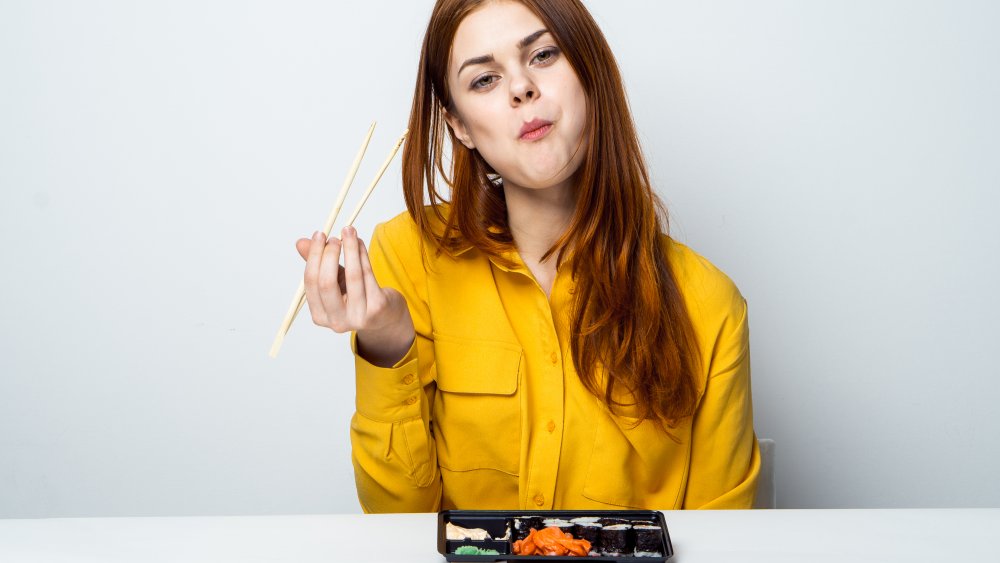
x: 588, y: 530
x: 647, y: 541
x: 524, y: 524
x: 613, y: 521
x: 520, y: 528
x: 615, y: 540
x: 586, y: 519
x: 564, y: 526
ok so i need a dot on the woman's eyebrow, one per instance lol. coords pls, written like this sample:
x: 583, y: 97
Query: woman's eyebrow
x: 531, y: 38
x: 489, y: 58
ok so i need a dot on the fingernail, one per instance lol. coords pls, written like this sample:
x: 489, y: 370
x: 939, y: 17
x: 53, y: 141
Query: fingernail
x: 315, y: 235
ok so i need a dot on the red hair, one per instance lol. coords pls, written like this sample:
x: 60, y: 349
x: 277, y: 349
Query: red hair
x: 631, y: 334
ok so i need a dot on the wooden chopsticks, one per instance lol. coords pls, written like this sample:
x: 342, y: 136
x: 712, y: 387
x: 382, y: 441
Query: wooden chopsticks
x: 300, y: 295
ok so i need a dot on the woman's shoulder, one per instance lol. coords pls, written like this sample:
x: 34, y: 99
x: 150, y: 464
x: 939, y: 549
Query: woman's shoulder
x: 404, y: 237
x: 402, y: 229
x: 710, y: 294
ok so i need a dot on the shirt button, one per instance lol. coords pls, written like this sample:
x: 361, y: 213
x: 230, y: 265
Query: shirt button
x: 410, y: 400
x: 408, y: 379
x: 554, y: 358
x: 551, y: 426
x: 539, y: 499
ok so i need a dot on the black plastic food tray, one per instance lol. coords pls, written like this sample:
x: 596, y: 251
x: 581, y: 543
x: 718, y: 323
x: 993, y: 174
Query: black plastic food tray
x: 496, y: 521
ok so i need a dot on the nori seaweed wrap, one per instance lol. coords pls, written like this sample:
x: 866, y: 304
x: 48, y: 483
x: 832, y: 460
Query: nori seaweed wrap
x: 520, y: 529
x: 523, y: 525
x: 590, y: 531
x: 647, y: 541
x: 615, y: 540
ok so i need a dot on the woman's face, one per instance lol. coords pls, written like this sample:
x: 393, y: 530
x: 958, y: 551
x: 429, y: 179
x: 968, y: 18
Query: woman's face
x: 516, y: 98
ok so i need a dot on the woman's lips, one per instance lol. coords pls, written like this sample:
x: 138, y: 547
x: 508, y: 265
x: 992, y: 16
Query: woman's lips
x: 535, y: 129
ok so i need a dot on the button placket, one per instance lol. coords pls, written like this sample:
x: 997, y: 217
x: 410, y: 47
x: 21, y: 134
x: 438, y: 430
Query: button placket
x: 542, y: 378
x: 548, y: 442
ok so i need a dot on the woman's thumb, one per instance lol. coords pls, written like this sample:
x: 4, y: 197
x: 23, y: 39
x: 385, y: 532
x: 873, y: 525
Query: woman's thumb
x: 302, y: 245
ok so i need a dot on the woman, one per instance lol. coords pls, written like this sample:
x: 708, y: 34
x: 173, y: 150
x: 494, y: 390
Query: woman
x: 534, y: 340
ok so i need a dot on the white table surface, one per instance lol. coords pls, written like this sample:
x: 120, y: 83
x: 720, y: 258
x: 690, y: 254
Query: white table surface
x: 772, y: 536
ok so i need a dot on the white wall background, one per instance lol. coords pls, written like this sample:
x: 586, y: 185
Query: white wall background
x: 839, y: 159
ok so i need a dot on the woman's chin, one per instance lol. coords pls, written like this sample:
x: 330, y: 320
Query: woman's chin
x: 540, y: 177
x: 535, y: 184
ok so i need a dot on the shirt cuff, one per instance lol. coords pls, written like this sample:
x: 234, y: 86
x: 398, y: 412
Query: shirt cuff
x: 387, y: 394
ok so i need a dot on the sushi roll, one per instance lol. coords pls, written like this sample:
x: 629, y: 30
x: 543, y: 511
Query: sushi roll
x: 524, y: 524
x: 615, y: 540
x: 613, y: 521
x: 647, y: 541
x: 564, y: 526
x: 590, y: 531
x: 586, y: 519
x: 520, y: 528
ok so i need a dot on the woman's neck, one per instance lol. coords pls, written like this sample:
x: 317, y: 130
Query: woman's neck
x: 538, y: 217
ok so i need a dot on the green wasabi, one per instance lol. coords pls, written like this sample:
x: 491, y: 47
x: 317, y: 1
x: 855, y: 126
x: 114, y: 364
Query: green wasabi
x: 473, y: 550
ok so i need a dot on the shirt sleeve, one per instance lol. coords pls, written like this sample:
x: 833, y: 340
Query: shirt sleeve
x: 725, y: 455
x: 392, y: 446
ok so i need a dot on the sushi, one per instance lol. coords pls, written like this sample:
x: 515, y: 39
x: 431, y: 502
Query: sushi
x: 590, y: 530
x: 647, y: 541
x: 616, y: 540
x: 524, y: 524
x: 564, y: 526
x: 616, y: 536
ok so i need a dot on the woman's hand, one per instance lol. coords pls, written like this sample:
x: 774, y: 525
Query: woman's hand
x: 346, y: 298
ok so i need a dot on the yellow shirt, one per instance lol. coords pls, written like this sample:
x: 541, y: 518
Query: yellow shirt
x: 486, y: 410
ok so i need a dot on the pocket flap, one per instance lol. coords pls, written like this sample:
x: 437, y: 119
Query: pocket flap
x: 476, y: 366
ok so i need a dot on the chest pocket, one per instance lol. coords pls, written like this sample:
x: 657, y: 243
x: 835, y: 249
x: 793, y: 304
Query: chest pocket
x: 635, y: 465
x: 477, y: 411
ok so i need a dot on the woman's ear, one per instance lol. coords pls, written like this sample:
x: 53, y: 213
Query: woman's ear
x: 458, y: 128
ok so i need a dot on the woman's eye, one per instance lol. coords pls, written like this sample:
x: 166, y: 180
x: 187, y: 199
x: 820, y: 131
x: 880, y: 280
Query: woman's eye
x: 545, y: 55
x: 484, y: 81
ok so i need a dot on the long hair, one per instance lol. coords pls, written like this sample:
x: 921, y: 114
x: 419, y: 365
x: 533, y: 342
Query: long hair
x: 631, y: 333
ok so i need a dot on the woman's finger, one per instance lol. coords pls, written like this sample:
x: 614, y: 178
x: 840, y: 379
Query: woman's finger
x: 302, y: 246
x: 311, y: 278
x: 329, y: 286
x: 371, y: 284
x: 353, y: 277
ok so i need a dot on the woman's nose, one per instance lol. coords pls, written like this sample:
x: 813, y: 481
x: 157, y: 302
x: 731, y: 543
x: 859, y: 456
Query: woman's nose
x: 523, y: 96
x: 522, y: 90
